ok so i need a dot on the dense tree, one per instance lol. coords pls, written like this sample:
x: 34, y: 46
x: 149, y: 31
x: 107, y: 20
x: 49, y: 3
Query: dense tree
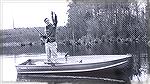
x: 108, y: 20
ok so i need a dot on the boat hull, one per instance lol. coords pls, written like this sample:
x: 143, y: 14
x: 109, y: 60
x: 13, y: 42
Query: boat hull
x: 118, y: 69
x: 120, y: 72
x: 98, y: 69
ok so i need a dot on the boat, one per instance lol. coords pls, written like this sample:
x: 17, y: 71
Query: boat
x: 86, y: 65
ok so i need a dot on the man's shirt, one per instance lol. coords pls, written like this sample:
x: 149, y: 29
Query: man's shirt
x: 50, y: 33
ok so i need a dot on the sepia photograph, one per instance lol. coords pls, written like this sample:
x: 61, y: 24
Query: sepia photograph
x: 75, y: 41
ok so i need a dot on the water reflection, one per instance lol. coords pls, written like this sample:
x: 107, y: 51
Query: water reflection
x: 105, y: 49
x: 52, y: 79
x: 138, y: 72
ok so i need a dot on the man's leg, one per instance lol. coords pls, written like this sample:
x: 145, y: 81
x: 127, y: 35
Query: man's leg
x: 48, y: 52
x: 54, y: 52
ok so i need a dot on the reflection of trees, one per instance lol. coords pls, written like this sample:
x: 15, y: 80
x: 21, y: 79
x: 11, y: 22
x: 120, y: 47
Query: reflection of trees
x: 111, y: 20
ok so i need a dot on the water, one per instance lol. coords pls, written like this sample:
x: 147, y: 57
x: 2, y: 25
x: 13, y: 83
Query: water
x: 139, y: 72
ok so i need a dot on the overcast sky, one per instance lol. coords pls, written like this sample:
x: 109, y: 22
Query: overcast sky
x: 32, y: 13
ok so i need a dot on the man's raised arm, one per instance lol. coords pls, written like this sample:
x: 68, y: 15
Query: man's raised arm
x: 54, y: 18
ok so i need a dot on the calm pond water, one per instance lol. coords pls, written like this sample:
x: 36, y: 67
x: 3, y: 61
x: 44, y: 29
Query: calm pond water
x: 138, y: 73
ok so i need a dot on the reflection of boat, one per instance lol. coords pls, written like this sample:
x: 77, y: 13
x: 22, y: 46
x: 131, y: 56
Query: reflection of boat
x: 76, y: 65
x: 54, y: 79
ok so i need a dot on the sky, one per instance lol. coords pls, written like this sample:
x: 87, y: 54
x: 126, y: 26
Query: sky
x: 32, y: 13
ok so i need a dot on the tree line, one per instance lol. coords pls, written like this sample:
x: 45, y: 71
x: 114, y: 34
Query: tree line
x: 106, y: 21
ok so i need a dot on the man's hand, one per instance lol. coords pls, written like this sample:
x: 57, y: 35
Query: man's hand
x: 43, y: 37
x: 52, y: 13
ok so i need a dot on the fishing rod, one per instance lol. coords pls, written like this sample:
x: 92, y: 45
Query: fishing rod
x: 42, y: 35
x: 38, y: 31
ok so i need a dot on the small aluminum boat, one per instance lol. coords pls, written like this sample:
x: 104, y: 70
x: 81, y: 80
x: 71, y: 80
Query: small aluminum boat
x: 76, y: 65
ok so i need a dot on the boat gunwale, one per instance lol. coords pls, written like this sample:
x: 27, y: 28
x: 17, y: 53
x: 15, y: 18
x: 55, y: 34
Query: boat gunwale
x: 64, y: 64
x: 72, y: 71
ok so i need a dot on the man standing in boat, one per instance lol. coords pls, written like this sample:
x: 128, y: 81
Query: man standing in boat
x: 50, y: 38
